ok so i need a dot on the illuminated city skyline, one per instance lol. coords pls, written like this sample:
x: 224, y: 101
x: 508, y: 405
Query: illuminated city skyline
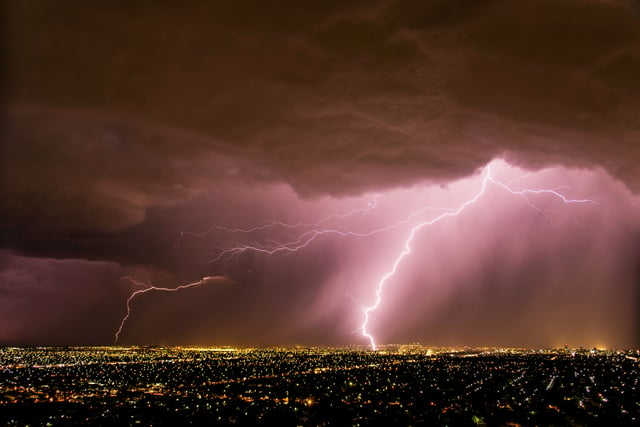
x: 402, y: 385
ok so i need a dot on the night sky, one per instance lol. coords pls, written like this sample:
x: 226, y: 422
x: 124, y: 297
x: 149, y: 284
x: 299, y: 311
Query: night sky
x: 133, y: 133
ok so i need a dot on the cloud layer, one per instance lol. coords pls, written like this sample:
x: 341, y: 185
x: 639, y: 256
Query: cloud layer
x: 113, y: 109
x: 510, y: 270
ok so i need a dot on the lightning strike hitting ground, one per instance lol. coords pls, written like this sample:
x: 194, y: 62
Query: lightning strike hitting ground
x: 310, y: 231
x: 407, y: 245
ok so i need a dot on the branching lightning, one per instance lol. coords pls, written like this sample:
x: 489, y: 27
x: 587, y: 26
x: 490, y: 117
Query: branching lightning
x: 488, y: 178
x: 279, y: 224
x: 305, y: 233
x: 148, y: 287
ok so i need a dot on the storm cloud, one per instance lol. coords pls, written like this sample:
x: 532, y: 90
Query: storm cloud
x: 113, y: 109
x: 129, y: 129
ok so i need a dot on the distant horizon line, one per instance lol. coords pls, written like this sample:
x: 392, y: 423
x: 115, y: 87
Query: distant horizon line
x: 381, y: 347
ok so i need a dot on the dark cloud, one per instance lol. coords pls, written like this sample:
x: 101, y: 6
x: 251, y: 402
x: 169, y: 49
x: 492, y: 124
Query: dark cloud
x: 75, y: 171
x: 55, y: 302
x: 115, y: 108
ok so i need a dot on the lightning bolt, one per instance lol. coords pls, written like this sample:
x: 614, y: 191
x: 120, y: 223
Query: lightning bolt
x: 488, y: 178
x: 305, y: 233
x: 307, y: 237
x: 148, y: 287
x: 279, y: 224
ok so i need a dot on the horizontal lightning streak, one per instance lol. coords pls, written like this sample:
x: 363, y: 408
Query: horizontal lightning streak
x: 309, y: 236
x: 272, y: 224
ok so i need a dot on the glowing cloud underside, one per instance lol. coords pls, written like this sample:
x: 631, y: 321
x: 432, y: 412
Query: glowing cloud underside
x: 305, y: 233
x: 488, y: 178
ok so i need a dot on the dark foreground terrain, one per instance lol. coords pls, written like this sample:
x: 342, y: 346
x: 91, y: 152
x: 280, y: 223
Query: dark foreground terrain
x: 407, y: 385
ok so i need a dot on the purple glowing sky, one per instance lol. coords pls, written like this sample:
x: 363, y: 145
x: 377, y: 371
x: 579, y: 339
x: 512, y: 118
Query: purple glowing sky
x: 133, y: 135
